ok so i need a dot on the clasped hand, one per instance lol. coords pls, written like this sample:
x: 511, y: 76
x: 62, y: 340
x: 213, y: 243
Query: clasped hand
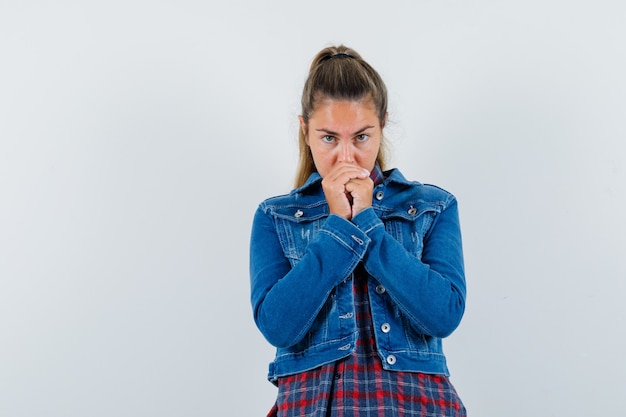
x: 348, y: 189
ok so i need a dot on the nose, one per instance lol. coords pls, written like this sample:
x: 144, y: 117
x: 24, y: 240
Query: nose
x: 346, y: 153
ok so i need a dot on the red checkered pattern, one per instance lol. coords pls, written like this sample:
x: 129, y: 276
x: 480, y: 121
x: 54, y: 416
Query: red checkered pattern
x: 358, y: 386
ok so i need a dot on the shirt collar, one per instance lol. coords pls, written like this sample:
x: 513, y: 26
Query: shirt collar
x: 377, y: 175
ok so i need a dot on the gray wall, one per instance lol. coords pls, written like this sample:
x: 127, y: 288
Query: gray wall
x: 137, y: 138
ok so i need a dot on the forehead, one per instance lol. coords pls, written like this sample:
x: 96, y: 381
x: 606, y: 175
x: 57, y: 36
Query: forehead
x: 343, y: 111
x: 321, y: 100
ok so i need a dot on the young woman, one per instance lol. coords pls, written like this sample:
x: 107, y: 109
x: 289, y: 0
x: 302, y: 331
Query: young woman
x: 356, y: 274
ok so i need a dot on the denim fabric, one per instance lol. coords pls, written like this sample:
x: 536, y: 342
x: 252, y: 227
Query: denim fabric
x: 301, y: 265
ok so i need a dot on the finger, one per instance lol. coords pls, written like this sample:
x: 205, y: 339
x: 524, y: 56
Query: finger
x: 360, y: 187
x: 345, y: 172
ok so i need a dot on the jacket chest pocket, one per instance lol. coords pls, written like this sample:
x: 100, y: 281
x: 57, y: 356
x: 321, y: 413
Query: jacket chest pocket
x: 411, y: 226
x: 296, y: 227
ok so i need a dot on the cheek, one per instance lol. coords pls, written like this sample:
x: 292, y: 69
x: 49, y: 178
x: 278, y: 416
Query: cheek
x: 368, y: 158
x: 369, y: 152
x: 324, y: 161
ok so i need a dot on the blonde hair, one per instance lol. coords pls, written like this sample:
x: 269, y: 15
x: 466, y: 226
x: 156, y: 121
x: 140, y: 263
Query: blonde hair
x: 339, y: 73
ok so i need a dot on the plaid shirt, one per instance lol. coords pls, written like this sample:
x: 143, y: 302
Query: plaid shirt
x: 377, y: 175
x: 358, y: 386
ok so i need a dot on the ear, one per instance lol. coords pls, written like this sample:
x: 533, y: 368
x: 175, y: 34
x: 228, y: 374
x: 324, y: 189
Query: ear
x: 303, y: 128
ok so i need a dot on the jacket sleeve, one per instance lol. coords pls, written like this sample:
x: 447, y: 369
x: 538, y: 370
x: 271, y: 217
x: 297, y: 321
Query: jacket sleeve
x: 430, y: 291
x: 285, y: 299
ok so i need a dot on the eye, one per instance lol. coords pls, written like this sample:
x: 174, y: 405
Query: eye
x: 362, y: 137
x: 328, y: 139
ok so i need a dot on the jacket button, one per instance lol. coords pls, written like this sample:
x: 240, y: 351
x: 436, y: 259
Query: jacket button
x: 386, y: 328
x: 391, y: 360
x: 298, y: 214
x: 380, y: 289
x: 412, y: 211
x: 357, y: 239
x: 380, y: 195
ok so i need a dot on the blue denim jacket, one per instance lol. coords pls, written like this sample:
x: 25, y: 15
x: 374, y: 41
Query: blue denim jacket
x: 301, y: 265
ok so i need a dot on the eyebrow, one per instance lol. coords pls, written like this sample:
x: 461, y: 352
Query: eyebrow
x: 358, y: 132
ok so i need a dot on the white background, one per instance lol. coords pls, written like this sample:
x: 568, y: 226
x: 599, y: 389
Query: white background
x: 137, y: 138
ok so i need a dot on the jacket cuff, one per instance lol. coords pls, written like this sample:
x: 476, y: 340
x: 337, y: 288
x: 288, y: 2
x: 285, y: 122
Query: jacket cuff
x: 367, y: 220
x: 346, y: 233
